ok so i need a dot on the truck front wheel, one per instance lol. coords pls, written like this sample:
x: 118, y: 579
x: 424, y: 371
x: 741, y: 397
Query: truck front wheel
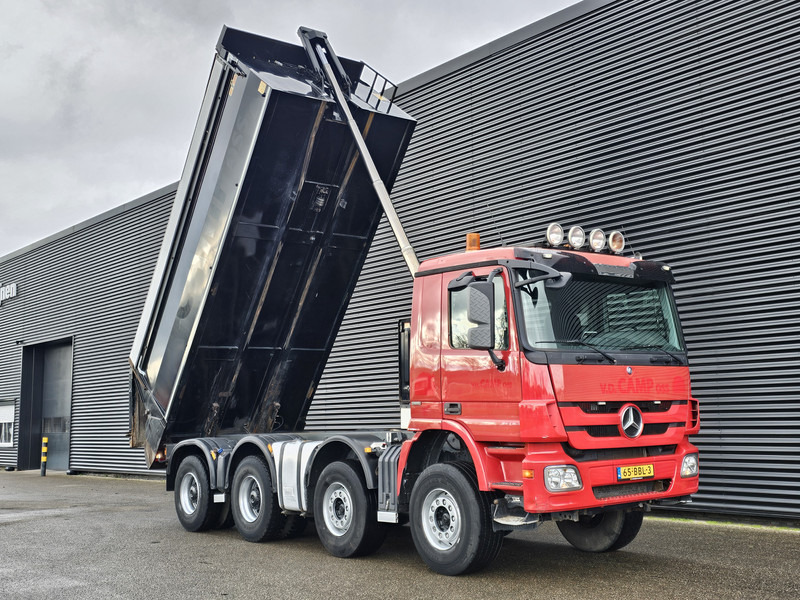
x: 256, y: 511
x: 451, y: 520
x: 345, y: 511
x: 193, y: 503
x: 603, y: 532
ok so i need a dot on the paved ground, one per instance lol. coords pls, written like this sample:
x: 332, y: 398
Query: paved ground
x: 98, y: 537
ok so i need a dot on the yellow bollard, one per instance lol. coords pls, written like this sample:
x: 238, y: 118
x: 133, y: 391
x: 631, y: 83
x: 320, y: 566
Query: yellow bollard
x: 43, y: 471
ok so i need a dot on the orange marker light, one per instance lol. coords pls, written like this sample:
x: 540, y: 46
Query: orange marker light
x: 526, y: 474
x: 473, y: 241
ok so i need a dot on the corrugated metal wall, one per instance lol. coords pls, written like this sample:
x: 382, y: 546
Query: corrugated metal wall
x: 88, y: 284
x: 675, y: 120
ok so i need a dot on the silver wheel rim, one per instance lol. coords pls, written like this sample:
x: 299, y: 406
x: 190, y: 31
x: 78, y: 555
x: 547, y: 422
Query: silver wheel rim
x: 337, y: 509
x: 190, y: 493
x: 441, y: 519
x: 250, y: 498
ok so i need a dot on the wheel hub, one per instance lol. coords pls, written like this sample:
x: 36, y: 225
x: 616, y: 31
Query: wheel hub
x: 250, y: 499
x: 338, y: 512
x: 442, y: 518
x: 190, y: 493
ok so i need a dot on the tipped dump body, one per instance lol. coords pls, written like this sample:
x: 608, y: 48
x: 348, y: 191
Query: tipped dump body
x: 272, y: 221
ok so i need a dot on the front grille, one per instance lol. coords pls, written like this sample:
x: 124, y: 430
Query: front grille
x: 603, y: 431
x: 636, y: 488
x: 598, y: 430
x: 606, y: 408
x: 617, y: 453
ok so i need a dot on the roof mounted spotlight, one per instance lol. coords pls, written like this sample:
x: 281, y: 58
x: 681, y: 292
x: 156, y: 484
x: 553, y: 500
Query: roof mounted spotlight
x: 616, y: 242
x: 576, y: 237
x: 597, y: 240
x: 555, y: 234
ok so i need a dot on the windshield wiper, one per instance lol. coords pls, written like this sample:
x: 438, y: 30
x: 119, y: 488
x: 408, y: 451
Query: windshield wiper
x: 674, y: 357
x: 610, y: 358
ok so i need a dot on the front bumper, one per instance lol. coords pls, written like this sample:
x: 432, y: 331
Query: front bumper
x: 601, y: 485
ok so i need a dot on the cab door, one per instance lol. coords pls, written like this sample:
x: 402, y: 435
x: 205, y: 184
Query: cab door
x: 475, y: 392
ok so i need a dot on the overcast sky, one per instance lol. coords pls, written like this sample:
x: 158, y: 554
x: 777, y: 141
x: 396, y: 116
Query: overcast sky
x: 98, y: 98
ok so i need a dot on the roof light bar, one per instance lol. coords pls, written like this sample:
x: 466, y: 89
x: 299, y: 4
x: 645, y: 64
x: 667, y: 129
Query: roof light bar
x: 576, y: 239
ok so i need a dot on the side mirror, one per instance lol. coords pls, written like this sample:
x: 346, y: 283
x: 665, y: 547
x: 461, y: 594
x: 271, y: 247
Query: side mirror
x: 480, y: 310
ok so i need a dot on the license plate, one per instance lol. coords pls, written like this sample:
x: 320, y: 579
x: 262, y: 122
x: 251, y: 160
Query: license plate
x: 635, y: 472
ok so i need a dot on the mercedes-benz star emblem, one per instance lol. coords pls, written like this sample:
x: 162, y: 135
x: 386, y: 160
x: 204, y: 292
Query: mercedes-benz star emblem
x: 631, y: 421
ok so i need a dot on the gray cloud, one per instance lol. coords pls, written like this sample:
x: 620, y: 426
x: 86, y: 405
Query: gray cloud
x: 100, y: 97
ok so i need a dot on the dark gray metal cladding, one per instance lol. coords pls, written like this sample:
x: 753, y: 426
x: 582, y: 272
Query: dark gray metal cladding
x: 677, y: 120
x: 276, y: 222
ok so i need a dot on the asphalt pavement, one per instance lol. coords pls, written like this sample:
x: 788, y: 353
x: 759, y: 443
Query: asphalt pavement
x: 86, y: 537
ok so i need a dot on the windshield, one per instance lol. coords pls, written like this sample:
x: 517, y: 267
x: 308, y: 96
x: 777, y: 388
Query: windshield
x: 599, y: 313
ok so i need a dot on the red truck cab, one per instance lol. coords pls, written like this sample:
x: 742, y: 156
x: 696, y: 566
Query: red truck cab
x: 562, y: 373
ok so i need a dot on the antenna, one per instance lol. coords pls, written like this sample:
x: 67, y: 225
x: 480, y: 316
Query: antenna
x: 494, y: 224
x: 628, y: 240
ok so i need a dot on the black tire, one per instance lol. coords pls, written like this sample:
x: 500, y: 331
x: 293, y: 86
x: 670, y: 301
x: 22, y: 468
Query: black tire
x: 603, y: 532
x: 345, y: 511
x: 295, y: 526
x: 193, y: 501
x: 255, y: 508
x: 224, y: 518
x: 630, y: 529
x: 451, y: 521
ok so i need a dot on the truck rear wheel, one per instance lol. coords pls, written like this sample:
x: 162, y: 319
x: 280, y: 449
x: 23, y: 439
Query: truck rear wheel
x: 256, y: 512
x: 451, y: 520
x: 345, y: 511
x: 603, y: 532
x: 193, y: 503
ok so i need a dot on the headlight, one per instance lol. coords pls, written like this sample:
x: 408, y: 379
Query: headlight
x: 691, y: 466
x: 562, y: 478
x: 597, y: 240
x: 555, y: 234
x: 616, y: 242
x: 576, y: 237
